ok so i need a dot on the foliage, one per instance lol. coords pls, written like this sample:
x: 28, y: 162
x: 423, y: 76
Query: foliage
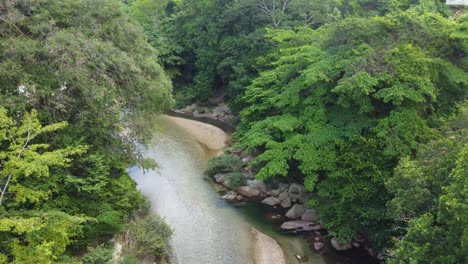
x: 80, y: 83
x: 341, y: 105
x: 98, y: 255
x: 224, y: 164
x: 430, y: 199
x: 235, y: 180
x: 147, y: 236
x: 44, y: 235
x: 129, y: 260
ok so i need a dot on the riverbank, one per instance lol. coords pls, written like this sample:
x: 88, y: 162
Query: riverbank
x: 213, y: 139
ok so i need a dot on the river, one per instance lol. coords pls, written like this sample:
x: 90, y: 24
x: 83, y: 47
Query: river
x: 207, y: 229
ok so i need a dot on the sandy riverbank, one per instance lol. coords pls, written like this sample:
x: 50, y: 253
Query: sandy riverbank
x: 266, y: 249
x: 208, y: 135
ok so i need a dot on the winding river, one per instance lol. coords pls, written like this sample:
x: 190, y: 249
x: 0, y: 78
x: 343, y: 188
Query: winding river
x: 207, y: 230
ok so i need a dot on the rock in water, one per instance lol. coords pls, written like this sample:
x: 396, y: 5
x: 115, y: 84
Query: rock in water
x: 271, y: 201
x: 339, y: 246
x: 310, y: 215
x: 296, y: 211
x: 248, y: 191
x: 318, y: 245
x: 301, y: 225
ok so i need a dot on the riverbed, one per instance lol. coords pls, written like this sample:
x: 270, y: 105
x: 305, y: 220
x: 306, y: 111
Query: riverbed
x: 207, y: 229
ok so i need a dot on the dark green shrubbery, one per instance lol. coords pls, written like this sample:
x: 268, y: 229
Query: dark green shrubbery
x: 147, y: 237
x: 98, y: 255
x: 224, y: 164
x: 235, y: 180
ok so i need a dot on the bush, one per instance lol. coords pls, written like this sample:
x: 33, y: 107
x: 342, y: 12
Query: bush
x: 224, y: 164
x: 235, y: 180
x: 98, y: 255
x: 147, y: 236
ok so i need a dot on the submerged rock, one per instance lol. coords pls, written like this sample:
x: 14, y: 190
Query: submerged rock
x: 271, y: 201
x: 318, y: 246
x: 296, y: 211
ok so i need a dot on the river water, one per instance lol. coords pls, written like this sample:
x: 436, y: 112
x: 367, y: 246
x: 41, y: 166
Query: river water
x: 207, y: 230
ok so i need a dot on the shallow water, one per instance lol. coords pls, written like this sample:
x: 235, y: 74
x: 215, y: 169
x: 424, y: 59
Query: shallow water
x: 208, y: 230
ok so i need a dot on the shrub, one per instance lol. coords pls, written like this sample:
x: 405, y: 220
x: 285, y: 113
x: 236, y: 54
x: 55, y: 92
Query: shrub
x: 235, y: 180
x: 98, y: 255
x: 224, y: 164
x: 147, y: 236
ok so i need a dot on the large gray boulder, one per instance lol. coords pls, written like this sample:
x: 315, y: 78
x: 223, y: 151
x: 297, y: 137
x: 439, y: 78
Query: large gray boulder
x: 299, y: 225
x: 296, y: 211
x: 340, y: 246
x: 310, y: 215
x: 257, y: 184
x: 272, y: 201
x: 297, y: 192
x: 248, y: 191
x: 296, y: 224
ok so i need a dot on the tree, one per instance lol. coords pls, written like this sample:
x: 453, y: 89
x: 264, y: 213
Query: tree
x: 339, y: 106
x: 24, y: 163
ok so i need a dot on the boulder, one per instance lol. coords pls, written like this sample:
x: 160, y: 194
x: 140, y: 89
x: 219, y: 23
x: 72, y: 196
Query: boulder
x: 229, y: 196
x: 299, y: 225
x: 248, y: 191
x: 296, y: 224
x: 340, y: 246
x: 275, y: 193
x: 286, y: 203
x: 318, y: 246
x: 246, y: 160
x: 296, y: 211
x: 220, y: 177
x: 297, y: 192
x: 257, y: 184
x: 271, y: 201
x: 283, y: 196
x: 309, y: 215
x: 283, y: 187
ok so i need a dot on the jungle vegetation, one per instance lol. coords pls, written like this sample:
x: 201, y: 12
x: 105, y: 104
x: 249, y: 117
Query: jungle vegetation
x: 362, y: 101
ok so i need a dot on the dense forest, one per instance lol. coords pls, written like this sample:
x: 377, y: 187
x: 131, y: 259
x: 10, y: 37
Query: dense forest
x: 77, y: 79
x: 362, y: 101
